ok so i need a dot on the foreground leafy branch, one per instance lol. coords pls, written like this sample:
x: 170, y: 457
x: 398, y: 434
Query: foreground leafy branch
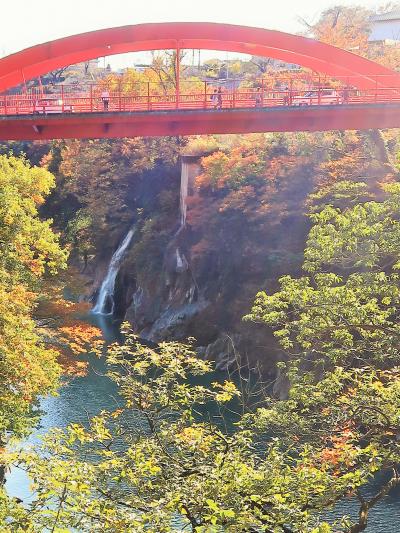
x: 170, y: 456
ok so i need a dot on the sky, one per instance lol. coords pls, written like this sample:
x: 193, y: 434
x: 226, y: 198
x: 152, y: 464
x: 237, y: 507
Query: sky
x: 24, y: 23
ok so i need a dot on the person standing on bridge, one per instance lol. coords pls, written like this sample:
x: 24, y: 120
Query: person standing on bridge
x: 286, y: 94
x: 258, y: 98
x: 346, y: 95
x: 219, y: 98
x: 105, y: 96
x: 214, y: 99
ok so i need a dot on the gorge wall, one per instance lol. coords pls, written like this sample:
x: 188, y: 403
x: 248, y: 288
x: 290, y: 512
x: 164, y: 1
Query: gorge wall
x: 214, y: 221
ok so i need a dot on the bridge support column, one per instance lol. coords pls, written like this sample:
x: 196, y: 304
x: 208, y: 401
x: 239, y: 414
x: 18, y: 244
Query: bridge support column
x: 177, y: 74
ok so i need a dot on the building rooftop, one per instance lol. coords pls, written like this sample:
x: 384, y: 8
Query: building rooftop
x: 391, y: 15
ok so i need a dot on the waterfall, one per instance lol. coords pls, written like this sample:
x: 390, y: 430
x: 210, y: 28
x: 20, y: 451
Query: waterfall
x: 181, y: 261
x: 105, y: 301
x: 184, y: 191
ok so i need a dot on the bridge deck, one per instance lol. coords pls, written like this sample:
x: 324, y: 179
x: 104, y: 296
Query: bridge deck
x: 196, y: 122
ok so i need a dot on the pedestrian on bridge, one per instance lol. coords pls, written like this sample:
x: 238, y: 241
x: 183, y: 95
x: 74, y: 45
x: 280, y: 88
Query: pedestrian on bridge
x: 346, y: 94
x: 214, y: 99
x: 105, y: 96
x: 219, y: 98
x: 286, y: 94
x: 258, y: 98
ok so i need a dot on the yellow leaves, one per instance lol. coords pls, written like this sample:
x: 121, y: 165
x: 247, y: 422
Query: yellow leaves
x: 76, y: 432
x: 38, y: 199
x: 196, y: 437
x: 190, y: 436
x: 35, y: 266
x: 215, y: 166
x: 8, y: 219
x: 27, y: 367
x: 226, y: 391
x: 201, y: 145
x: 217, y: 515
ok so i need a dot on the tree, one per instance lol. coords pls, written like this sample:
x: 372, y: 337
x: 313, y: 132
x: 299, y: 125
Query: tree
x: 178, y: 463
x: 57, y: 75
x: 348, y: 27
x: 167, y: 453
x: 344, y: 27
x: 339, y: 330
x: 98, y: 179
x: 29, y: 250
x: 262, y: 64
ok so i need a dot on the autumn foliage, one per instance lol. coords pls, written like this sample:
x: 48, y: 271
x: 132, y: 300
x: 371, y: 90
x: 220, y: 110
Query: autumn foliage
x: 30, y: 250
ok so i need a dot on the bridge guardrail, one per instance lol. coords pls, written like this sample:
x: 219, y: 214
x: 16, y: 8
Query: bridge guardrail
x: 298, y: 92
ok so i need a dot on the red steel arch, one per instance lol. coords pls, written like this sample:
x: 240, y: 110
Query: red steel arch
x: 40, y: 59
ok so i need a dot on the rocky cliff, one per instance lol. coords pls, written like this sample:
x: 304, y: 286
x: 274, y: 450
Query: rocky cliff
x: 216, y: 225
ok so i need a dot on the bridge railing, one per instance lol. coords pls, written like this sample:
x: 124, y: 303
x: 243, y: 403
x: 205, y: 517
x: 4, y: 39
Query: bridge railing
x: 209, y: 95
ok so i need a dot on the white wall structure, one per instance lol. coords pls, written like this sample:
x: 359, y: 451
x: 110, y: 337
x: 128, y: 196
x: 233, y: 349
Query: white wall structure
x: 385, y: 27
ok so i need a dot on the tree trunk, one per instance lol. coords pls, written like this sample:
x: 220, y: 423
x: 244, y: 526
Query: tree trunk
x: 362, y: 520
x: 382, y: 152
x: 2, y: 466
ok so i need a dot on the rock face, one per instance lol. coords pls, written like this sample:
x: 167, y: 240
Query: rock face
x: 225, y: 351
x: 205, y: 295
x: 207, y: 237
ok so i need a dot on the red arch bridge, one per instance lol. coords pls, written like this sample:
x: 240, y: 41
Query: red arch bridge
x: 349, y: 92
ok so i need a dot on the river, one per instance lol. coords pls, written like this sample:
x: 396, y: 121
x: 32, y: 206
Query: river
x: 83, y: 397
x: 79, y: 399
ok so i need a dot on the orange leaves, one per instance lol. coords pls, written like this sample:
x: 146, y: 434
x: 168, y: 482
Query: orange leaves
x: 38, y: 199
x: 346, y: 166
x: 237, y: 199
x: 70, y: 366
x: 341, y: 449
x: 215, y: 168
x: 36, y: 267
x: 331, y: 456
x: 81, y: 337
x: 344, y: 27
x: 246, y: 188
x: 282, y: 166
x: 250, y: 162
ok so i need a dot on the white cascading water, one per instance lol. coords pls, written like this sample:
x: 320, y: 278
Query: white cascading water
x: 105, y: 300
x: 181, y: 261
x: 184, y: 191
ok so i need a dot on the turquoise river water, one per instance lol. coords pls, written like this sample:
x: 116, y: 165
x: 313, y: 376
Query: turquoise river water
x: 84, y: 397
